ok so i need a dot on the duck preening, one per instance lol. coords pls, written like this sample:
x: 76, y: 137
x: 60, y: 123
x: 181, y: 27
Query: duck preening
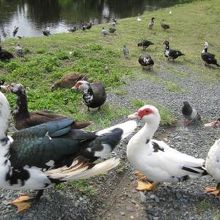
x: 145, y: 44
x: 146, y: 61
x: 24, y: 119
x: 208, y: 58
x: 170, y: 53
x: 67, y: 81
x: 94, y: 94
x: 155, y: 159
x: 5, y: 55
x: 213, y: 167
x: 191, y: 116
x: 41, y: 156
x: 151, y: 23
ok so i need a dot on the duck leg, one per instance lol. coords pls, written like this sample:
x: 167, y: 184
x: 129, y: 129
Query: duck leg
x: 142, y: 183
x: 24, y: 202
x: 214, y: 190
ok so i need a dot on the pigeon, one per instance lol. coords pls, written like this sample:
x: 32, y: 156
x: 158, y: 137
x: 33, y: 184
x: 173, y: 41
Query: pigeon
x: 104, y: 32
x: 19, y: 51
x: 125, y: 51
x: 190, y: 114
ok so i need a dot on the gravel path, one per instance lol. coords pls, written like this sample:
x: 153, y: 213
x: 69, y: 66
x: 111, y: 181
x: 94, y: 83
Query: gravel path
x: 118, y: 198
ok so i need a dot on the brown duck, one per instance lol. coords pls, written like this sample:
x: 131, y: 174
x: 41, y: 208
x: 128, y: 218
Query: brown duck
x: 68, y: 81
x: 24, y: 119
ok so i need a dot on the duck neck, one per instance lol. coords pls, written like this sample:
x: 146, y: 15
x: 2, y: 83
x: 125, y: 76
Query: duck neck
x: 205, y: 50
x: 4, y: 116
x: 147, y: 132
x: 21, y: 105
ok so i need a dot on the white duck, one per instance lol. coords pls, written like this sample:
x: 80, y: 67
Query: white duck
x: 155, y: 159
x: 212, y: 166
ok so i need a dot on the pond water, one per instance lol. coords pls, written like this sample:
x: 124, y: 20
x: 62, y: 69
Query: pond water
x: 32, y: 16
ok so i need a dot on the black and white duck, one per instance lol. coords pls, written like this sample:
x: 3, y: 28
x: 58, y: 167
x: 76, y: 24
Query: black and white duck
x: 170, y: 53
x: 72, y: 29
x: 151, y: 23
x: 94, y: 94
x: 46, y: 32
x: 191, y: 116
x: 5, y: 55
x: 48, y: 154
x: 25, y: 119
x: 208, y: 58
x: 154, y: 159
x: 164, y: 26
x: 146, y: 61
x: 145, y: 44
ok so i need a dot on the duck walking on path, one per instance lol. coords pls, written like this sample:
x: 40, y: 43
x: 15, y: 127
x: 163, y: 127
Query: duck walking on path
x: 155, y: 159
x: 146, y: 61
x: 48, y: 154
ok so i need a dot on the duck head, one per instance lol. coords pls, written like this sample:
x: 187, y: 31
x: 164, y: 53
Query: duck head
x: 206, y: 44
x: 148, y: 114
x: 17, y: 88
x: 81, y: 85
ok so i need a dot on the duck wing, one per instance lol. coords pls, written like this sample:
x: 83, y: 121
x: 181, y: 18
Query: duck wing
x: 52, y: 141
x: 169, y: 164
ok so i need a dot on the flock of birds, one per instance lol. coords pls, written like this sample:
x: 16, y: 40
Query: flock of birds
x: 48, y: 148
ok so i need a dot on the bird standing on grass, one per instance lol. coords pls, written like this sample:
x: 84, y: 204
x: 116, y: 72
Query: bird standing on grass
x: 146, y: 61
x: 19, y: 50
x: 94, y: 94
x: 208, y: 58
x: 170, y: 53
x: 164, y: 26
x: 151, y: 23
x: 48, y: 154
x: 104, y: 32
x: 126, y: 52
x: 145, y: 44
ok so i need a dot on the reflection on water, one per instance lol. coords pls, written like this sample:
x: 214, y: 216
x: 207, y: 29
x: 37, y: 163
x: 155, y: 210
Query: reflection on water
x: 34, y: 15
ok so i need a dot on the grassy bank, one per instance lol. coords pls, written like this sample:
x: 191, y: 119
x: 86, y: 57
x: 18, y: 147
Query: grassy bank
x: 48, y: 58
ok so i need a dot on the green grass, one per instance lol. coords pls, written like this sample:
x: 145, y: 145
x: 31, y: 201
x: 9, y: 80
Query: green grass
x: 84, y: 186
x: 49, y: 58
x: 167, y: 118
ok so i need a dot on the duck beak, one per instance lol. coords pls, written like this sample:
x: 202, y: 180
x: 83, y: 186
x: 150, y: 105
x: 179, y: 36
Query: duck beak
x: 134, y: 116
x: 5, y: 88
x: 74, y: 88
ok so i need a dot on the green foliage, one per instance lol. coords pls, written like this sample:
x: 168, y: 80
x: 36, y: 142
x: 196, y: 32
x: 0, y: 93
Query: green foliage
x: 167, y: 118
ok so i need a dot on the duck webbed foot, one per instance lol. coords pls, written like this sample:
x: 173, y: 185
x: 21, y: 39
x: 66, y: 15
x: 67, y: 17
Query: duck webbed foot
x: 142, y: 183
x: 24, y: 202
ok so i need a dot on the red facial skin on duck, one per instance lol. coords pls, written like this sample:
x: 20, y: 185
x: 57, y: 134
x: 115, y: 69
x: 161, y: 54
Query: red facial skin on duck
x: 143, y: 112
x: 77, y: 85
